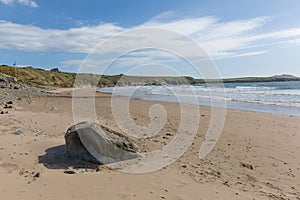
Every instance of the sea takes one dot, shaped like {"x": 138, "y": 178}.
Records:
{"x": 269, "y": 97}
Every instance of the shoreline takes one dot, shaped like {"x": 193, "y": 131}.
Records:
{"x": 255, "y": 157}
{"x": 268, "y": 109}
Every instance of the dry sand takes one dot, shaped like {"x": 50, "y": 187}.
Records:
{"x": 256, "y": 157}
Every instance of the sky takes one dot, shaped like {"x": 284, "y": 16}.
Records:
{"x": 138, "y": 37}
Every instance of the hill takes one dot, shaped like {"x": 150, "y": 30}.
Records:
{"x": 276, "y": 78}
{"x": 41, "y": 77}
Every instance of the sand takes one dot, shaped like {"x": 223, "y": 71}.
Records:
{"x": 256, "y": 157}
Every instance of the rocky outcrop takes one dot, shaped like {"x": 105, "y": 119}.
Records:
{"x": 90, "y": 142}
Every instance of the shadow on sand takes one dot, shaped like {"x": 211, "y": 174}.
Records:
{"x": 56, "y": 158}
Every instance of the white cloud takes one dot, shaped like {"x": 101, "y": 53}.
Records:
{"x": 185, "y": 26}
{"x": 29, "y": 3}
{"x": 234, "y": 55}
{"x": 220, "y": 39}
{"x": 7, "y": 2}
{"x": 295, "y": 41}
{"x": 129, "y": 60}
{"x": 32, "y": 38}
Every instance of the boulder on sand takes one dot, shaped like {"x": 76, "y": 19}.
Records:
{"x": 87, "y": 141}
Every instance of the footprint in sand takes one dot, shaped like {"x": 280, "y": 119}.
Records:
{"x": 29, "y": 175}
{"x": 10, "y": 167}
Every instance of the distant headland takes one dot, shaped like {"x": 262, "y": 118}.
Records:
{"x": 41, "y": 77}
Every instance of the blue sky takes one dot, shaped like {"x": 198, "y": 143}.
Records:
{"x": 252, "y": 38}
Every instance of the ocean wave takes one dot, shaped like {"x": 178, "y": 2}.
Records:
{"x": 263, "y": 95}
{"x": 254, "y": 88}
{"x": 275, "y": 103}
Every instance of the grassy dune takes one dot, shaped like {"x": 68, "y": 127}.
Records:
{"x": 38, "y": 76}
{"x": 41, "y": 77}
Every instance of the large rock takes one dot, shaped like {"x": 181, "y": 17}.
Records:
{"x": 88, "y": 141}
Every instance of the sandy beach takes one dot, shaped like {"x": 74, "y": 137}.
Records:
{"x": 256, "y": 157}
{"x": 149, "y": 100}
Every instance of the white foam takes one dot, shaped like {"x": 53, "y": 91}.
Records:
{"x": 264, "y": 95}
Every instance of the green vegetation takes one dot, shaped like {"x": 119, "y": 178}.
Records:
{"x": 38, "y": 77}
{"x": 41, "y": 77}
